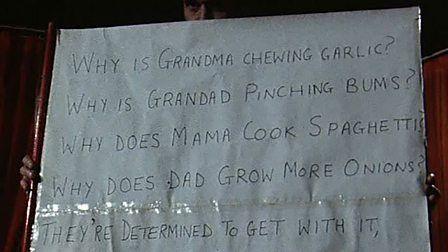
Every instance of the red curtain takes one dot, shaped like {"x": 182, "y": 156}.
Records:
{"x": 435, "y": 71}
{"x": 21, "y": 56}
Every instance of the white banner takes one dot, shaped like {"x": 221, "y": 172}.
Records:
{"x": 288, "y": 133}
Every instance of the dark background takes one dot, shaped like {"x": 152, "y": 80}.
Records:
{"x": 94, "y": 13}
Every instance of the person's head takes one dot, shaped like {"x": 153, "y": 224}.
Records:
{"x": 207, "y": 9}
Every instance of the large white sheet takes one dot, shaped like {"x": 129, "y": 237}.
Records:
{"x": 288, "y": 133}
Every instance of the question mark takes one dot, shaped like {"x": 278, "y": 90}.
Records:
{"x": 390, "y": 43}
{"x": 410, "y": 77}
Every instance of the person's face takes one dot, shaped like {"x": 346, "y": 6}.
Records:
{"x": 206, "y": 9}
